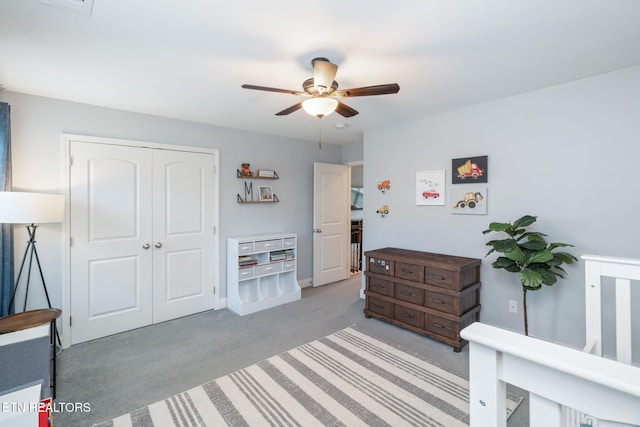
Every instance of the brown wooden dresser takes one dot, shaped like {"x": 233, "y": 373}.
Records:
{"x": 432, "y": 294}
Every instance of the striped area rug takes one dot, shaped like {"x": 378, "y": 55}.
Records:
{"x": 345, "y": 379}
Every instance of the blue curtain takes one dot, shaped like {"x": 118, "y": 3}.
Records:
{"x": 6, "y": 236}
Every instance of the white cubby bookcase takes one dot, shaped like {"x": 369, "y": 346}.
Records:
{"x": 261, "y": 272}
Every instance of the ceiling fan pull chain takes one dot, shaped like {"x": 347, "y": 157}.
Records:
{"x": 319, "y": 133}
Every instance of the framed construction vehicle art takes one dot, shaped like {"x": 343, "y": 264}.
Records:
{"x": 430, "y": 188}
{"x": 470, "y": 170}
{"x": 469, "y": 200}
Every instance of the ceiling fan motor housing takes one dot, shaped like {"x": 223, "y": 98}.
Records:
{"x": 309, "y": 87}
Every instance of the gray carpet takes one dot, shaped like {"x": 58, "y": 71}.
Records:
{"x": 345, "y": 379}
{"x": 124, "y": 372}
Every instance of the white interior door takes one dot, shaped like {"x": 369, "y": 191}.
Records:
{"x": 331, "y": 222}
{"x": 183, "y": 234}
{"x": 110, "y": 199}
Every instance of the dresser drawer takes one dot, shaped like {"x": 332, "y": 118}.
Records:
{"x": 380, "y": 306}
{"x": 441, "y": 326}
{"x": 408, "y": 293}
{"x": 245, "y": 273}
{"x": 288, "y": 265}
{"x": 440, "y": 277}
{"x": 379, "y": 286}
{"x": 245, "y": 248}
{"x": 440, "y": 302}
{"x": 268, "y": 245}
{"x": 408, "y": 315}
{"x": 290, "y": 242}
{"x": 380, "y": 266}
{"x": 261, "y": 270}
{"x": 407, "y": 271}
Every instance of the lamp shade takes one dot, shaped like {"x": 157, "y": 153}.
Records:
{"x": 30, "y": 208}
{"x": 320, "y": 107}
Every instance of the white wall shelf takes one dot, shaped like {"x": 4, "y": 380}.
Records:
{"x": 261, "y": 272}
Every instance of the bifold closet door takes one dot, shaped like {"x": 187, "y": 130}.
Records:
{"x": 142, "y": 237}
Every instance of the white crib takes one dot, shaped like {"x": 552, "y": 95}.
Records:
{"x": 558, "y": 377}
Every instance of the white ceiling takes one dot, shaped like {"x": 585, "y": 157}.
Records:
{"x": 187, "y": 60}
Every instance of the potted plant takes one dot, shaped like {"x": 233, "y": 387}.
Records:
{"x": 528, "y": 254}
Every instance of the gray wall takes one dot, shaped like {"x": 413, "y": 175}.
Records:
{"x": 352, "y": 152}
{"x": 568, "y": 154}
{"x": 37, "y": 124}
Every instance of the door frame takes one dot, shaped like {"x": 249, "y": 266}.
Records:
{"x": 363, "y": 284}
{"x": 67, "y": 138}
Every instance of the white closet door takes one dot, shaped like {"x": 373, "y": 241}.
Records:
{"x": 183, "y": 235}
{"x": 142, "y": 230}
{"x": 110, "y": 198}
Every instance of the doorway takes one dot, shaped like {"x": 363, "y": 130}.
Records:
{"x": 357, "y": 214}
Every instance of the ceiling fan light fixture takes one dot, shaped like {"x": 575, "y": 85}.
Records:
{"x": 320, "y": 107}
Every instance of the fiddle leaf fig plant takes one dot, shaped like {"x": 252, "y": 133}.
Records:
{"x": 528, "y": 254}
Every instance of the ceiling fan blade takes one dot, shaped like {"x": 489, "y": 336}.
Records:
{"x": 368, "y": 90}
{"x": 345, "y": 111}
{"x": 273, "y": 89}
{"x": 323, "y": 74}
{"x": 290, "y": 110}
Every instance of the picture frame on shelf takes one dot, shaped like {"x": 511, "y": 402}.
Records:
{"x": 264, "y": 173}
{"x": 265, "y": 193}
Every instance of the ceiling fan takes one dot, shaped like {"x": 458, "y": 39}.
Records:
{"x": 321, "y": 91}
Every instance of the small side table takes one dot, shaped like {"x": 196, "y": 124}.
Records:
{"x": 30, "y": 319}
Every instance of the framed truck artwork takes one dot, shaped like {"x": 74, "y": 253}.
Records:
{"x": 469, "y": 170}
{"x": 430, "y": 186}
{"x": 469, "y": 200}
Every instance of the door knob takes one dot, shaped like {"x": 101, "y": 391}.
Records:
{"x": 158, "y": 245}
{"x": 146, "y": 246}
{"x": 317, "y": 230}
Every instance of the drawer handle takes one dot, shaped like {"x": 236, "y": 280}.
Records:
{"x": 377, "y": 286}
{"x": 437, "y": 325}
{"x": 407, "y": 293}
{"x": 405, "y": 314}
{"x": 439, "y": 277}
{"x": 406, "y": 270}
{"x": 437, "y": 301}
{"x": 378, "y": 306}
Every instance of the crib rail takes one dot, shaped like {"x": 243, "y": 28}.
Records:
{"x": 623, "y": 270}
{"x": 554, "y": 375}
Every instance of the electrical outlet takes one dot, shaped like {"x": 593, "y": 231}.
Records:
{"x": 513, "y": 306}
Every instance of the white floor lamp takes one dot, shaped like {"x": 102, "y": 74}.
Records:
{"x": 30, "y": 209}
